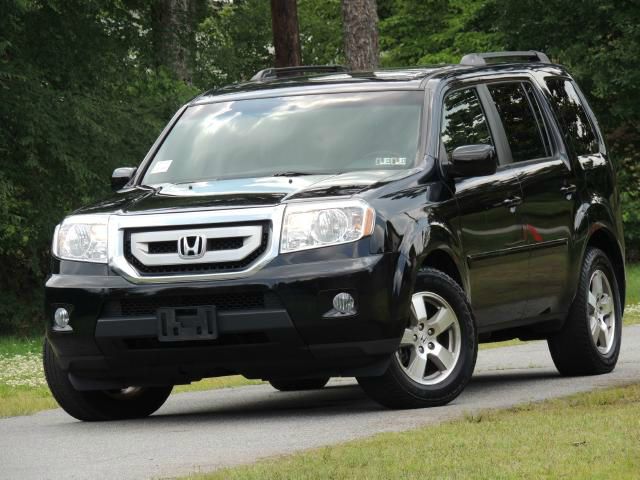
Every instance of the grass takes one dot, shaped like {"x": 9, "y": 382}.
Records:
{"x": 633, "y": 284}
{"x": 23, "y": 389}
{"x": 506, "y": 343}
{"x": 590, "y": 435}
{"x": 218, "y": 382}
{"x": 22, "y": 386}
{"x": 632, "y": 312}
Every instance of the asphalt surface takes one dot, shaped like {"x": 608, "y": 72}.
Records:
{"x": 203, "y": 431}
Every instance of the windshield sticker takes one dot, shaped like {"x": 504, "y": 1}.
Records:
{"x": 161, "y": 167}
{"x": 391, "y": 161}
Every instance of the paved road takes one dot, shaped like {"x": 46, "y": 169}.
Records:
{"x": 203, "y": 431}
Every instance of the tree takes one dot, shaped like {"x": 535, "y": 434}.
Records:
{"x": 360, "y": 25}
{"x": 173, "y": 25}
{"x": 286, "y": 37}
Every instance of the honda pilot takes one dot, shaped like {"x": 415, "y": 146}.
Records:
{"x": 316, "y": 222}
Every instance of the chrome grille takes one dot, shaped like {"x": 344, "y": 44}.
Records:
{"x": 144, "y": 248}
{"x": 229, "y": 254}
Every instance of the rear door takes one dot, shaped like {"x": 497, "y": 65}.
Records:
{"x": 549, "y": 190}
{"x": 490, "y": 221}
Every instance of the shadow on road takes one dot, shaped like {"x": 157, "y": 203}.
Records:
{"x": 334, "y": 400}
{"x": 512, "y": 376}
{"x": 262, "y": 404}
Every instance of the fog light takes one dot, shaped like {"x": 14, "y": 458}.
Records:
{"x": 344, "y": 303}
{"x": 61, "y": 320}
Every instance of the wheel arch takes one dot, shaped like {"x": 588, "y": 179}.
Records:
{"x": 426, "y": 243}
{"x": 600, "y": 236}
{"x": 442, "y": 259}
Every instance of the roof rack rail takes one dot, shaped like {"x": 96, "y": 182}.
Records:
{"x": 476, "y": 59}
{"x": 282, "y": 72}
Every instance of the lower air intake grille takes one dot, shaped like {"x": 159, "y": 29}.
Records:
{"x": 140, "y": 307}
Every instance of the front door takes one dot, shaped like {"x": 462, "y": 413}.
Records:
{"x": 490, "y": 221}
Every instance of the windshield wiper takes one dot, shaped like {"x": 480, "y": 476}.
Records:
{"x": 291, "y": 174}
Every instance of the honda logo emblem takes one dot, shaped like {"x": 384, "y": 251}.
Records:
{"x": 191, "y": 247}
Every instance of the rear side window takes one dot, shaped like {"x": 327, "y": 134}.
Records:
{"x": 521, "y": 120}
{"x": 463, "y": 121}
{"x": 576, "y": 127}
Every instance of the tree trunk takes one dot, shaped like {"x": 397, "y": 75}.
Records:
{"x": 360, "y": 20}
{"x": 171, "y": 33}
{"x": 286, "y": 37}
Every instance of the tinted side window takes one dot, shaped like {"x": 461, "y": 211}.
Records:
{"x": 576, "y": 127}
{"x": 537, "y": 111}
{"x": 523, "y": 129}
{"x": 463, "y": 121}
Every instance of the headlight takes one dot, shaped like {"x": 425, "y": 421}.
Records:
{"x": 312, "y": 225}
{"x": 82, "y": 238}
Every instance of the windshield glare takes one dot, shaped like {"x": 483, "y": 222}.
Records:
{"x": 307, "y": 134}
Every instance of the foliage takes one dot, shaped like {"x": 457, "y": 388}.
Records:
{"x": 234, "y": 42}
{"x": 424, "y": 32}
{"x": 73, "y": 106}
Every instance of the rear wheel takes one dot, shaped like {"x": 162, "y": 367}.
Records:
{"x": 589, "y": 342}
{"x": 93, "y": 406}
{"x": 293, "y": 385}
{"x": 437, "y": 352}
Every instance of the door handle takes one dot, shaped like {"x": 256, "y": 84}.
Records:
{"x": 568, "y": 191}
{"x": 512, "y": 202}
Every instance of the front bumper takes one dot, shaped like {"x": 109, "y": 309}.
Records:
{"x": 272, "y": 324}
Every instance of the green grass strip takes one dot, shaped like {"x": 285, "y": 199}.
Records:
{"x": 585, "y": 436}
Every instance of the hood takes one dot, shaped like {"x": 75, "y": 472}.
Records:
{"x": 240, "y": 192}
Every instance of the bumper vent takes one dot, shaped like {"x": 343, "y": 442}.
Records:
{"x": 141, "y": 307}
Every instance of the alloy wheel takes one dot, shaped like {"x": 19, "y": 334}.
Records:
{"x": 601, "y": 311}
{"x": 431, "y": 344}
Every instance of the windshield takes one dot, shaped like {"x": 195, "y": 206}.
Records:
{"x": 308, "y": 134}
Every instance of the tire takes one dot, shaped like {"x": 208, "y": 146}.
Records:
{"x": 293, "y": 385}
{"x": 409, "y": 384}
{"x": 96, "y": 406}
{"x": 575, "y": 350}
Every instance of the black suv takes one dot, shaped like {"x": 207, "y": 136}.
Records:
{"x": 316, "y": 222}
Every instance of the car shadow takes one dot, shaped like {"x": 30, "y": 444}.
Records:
{"x": 263, "y": 404}
{"x": 334, "y": 400}
{"x": 489, "y": 377}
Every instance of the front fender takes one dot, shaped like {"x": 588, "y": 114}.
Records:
{"x": 422, "y": 237}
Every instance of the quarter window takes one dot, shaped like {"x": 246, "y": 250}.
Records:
{"x": 463, "y": 121}
{"x": 577, "y": 128}
{"x": 521, "y": 122}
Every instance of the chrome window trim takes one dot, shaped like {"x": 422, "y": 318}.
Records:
{"x": 188, "y": 220}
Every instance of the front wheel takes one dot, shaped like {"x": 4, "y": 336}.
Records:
{"x": 94, "y": 406}
{"x": 437, "y": 352}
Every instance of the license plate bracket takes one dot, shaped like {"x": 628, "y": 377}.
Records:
{"x": 177, "y": 324}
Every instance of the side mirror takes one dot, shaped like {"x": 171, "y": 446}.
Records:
{"x": 473, "y": 161}
{"x": 121, "y": 176}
